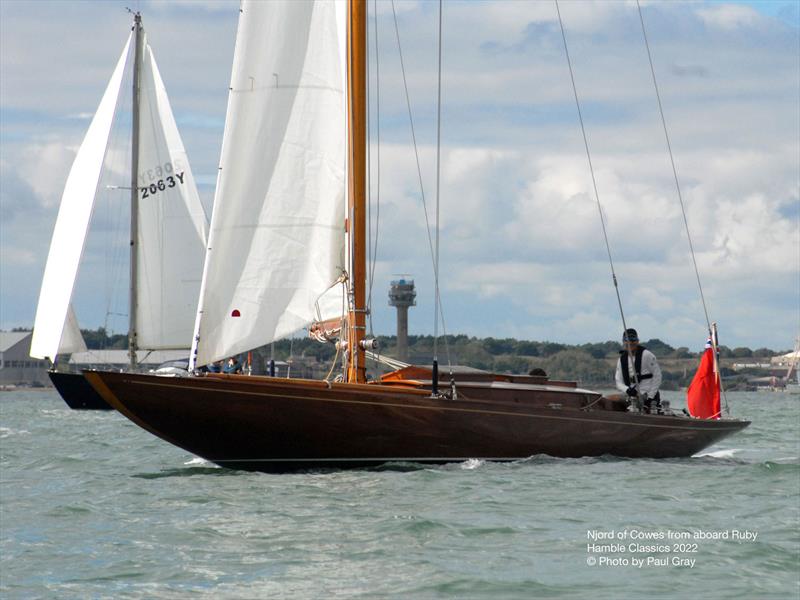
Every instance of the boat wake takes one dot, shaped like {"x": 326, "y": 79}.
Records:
{"x": 727, "y": 453}
{"x": 200, "y": 462}
{"x": 471, "y": 464}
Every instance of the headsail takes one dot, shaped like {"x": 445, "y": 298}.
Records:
{"x": 277, "y": 232}
{"x": 72, "y": 338}
{"x": 72, "y": 224}
{"x": 172, "y": 223}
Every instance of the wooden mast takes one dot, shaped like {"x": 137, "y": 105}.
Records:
{"x": 356, "y": 182}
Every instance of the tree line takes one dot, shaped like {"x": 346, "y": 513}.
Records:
{"x": 588, "y": 363}
{"x": 469, "y": 347}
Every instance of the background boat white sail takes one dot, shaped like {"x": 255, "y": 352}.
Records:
{"x": 277, "y": 233}
{"x": 77, "y": 202}
{"x": 170, "y": 237}
{"x": 72, "y": 338}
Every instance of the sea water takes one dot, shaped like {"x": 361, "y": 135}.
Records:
{"x": 91, "y": 506}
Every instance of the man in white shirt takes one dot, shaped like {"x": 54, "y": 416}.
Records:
{"x": 638, "y": 374}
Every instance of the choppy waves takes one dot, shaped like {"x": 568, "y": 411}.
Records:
{"x": 92, "y": 506}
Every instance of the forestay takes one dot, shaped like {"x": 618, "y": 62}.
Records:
{"x": 172, "y": 223}
{"x": 72, "y": 224}
{"x": 277, "y": 232}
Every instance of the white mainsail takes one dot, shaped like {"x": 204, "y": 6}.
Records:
{"x": 172, "y": 223}
{"x": 277, "y": 232}
{"x": 77, "y": 201}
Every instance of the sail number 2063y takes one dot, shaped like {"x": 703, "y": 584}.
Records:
{"x": 169, "y": 181}
{"x": 161, "y": 178}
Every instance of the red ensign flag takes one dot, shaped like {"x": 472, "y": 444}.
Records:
{"x": 702, "y": 397}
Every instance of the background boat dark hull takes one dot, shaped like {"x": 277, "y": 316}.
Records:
{"x": 265, "y": 424}
{"x": 77, "y": 392}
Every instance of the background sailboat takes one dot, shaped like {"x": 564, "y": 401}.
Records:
{"x": 168, "y": 226}
{"x": 272, "y": 424}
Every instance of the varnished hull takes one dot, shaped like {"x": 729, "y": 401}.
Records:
{"x": 266, "y": 424}
{"x": 76, "y": 391}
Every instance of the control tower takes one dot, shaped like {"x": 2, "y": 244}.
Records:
{"x": 402, "y": 294}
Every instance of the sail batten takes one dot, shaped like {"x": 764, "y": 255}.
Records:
{"x": 276, "y": 243}
{"x": 69, "y": 235}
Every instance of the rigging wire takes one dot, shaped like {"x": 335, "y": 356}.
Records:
{"x": 672, "y": 162}
{"x": 438, "y": 173}
{"x": 419, "y": 174}
{"x": 115, "y": 209}
{"x": 290, "y": 360}
{"x": 341, "y": 329}
{"x": 369, "y": 184}
{"x": 678, "y": 189}
{"x": 591, "y": 170}
{"x": 373, "y": 251}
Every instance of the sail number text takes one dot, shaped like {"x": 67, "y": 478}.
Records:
{"x": 170, "y": 181}
{"x": 161, "y": 177}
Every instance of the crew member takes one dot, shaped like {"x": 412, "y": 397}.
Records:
{"x": 639, "y": 360}
{"x": 232, "y": 366}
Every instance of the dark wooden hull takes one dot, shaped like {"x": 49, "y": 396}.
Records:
{"x": 77, "y": 392}
{"x": 266, "y": 424}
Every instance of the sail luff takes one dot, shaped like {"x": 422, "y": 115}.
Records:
{"x": 357, "y": 109}
{"x": 212, "y": 230}
{"x": 69, "y": 235}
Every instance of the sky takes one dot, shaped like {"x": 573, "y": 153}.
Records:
{"x": 522, "y": 251}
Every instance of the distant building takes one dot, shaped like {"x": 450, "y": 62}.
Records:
{"x": 750, "y": 365}
{"x": 402, "y": 295}
{"x": 784, "y": 360}
{"x": 16, "y": 365}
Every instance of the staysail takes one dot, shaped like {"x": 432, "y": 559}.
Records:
{"x": 77, "y": 201}
{"x": 171, "y": 226}
{"x": 277, "y": 232}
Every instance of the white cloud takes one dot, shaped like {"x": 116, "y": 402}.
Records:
{"x": 21, "y": 257}
{"x": 729, "y": 16}
{"x": 45, "y": 167}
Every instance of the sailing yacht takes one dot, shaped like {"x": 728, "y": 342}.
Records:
{"x": 167, "y": 234}
{"x": 284, "y": 251}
